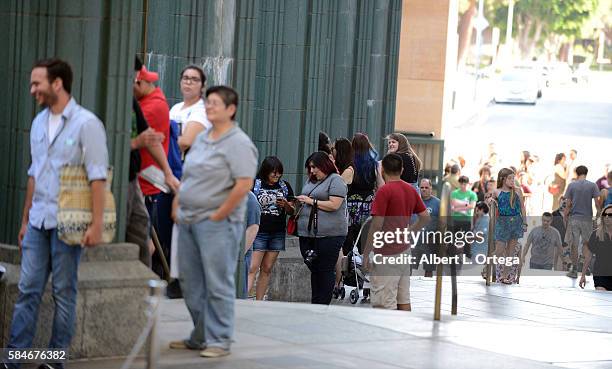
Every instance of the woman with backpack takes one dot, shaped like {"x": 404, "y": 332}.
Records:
{"x": 275, "y": 198}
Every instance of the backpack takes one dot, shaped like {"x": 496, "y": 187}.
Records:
{"x": 174, "y": 151}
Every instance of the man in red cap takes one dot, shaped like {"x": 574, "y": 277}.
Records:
{"x": 155, "y": 109}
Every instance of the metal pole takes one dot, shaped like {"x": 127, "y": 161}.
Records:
{"x": 160, "y": 251}
{"x": 157, "y": 289}
{"x": 442, "y": 225}
{"x": 490, "y": 276}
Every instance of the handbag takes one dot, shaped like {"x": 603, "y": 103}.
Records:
{"x": 74, "y": 212}
{"x": 292, "y": 223}
{"x": 554, "y": 189}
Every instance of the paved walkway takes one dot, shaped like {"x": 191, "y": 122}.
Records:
{"x": 544, "y": 323}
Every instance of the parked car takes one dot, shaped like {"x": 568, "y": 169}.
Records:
{"x": 538, "y": 71}
{"x": 559, "y": 74}
{"x": 518, "y": 86}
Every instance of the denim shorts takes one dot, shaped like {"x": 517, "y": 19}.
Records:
{"x": 274, "y": 241}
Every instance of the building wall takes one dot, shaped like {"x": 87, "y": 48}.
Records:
{"x": 426, "y": 64}
{"x": 98, "y": 38}
{"x": 300, "y": 66}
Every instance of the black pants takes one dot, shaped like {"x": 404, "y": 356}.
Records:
{"x": 323, "y": 267}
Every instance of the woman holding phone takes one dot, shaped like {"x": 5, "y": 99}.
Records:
{"x": 275, "y": 197}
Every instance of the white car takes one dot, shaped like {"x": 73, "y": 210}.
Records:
{"x": 518, "y": 86}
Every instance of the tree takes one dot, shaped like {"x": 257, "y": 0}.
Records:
{"x": 557, "y": 21}
{"x": 466, "y": 22}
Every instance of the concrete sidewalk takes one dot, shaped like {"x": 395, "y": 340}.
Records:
{"x": 543, "y": 323}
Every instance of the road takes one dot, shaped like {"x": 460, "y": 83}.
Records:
{"x": 567, "y": 117}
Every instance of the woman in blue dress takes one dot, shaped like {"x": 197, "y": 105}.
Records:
{"x": 511, "y": 220}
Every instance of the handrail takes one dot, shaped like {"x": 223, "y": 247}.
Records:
{"x": 443, "y": 217}
{"x": 491, "y": 242}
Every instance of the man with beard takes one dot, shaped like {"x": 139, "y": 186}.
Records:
{"x": 64, "y": 133}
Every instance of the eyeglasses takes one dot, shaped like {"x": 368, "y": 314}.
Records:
{"x": 188, "y": 79}
{"x": 606, "y": 215}
{"x": 276, "y": 174}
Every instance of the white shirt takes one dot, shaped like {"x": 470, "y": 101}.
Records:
{"x": 54, "y": 122}
{"x": 193, "y": 113}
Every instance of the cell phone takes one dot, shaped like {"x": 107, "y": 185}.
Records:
{"x": 290, "y": 198}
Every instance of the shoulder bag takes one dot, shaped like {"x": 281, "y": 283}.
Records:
{"x": 74, "y": 214}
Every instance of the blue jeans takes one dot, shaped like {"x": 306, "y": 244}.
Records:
{"x": 207, "y": 263}
{"x": 43, "y": 254}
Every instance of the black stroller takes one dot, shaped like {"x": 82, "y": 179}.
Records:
{"x": 354, "y": 278}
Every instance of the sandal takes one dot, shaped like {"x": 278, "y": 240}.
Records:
{"x": 505, "y": 281}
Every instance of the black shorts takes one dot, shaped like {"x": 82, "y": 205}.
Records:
{"x": 603, "y": 281}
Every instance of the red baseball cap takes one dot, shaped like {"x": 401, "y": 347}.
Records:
{"x": 145, "y": 75}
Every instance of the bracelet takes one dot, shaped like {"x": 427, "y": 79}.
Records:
{"x": 314, "y": 202}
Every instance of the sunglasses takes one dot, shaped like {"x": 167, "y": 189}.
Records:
{"x": 606, "y": 215}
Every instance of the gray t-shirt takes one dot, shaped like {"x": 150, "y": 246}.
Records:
{"x": 210, "y": 172}
{"x": 330, "y": 223}
{"x": 543, "y": 243}
{"x": 582, "y": 192}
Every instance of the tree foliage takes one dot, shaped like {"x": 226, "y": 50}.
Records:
{"x": 537, "y": 20}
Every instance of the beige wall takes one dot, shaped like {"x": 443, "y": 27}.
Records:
{"x": 428, "y": 50}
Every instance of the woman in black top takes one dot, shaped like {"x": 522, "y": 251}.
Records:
{"x": 272, "y": 194}
{"x": 361, "y": 189}
{"x": 343, "y": 159}
{"x": 480, "y": 187}
{"x": 600, "y": 244}
{"x": 398, "y": 143}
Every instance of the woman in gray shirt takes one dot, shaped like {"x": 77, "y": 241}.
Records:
{"x": 218, "y": 173}
{"x": 322, "y": 225}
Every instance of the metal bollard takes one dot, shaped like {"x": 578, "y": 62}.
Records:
{"x": 157, "y": 289}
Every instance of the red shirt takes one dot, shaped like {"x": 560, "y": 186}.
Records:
{"x": 155, "y": 110}
{"x": 396, "y": 201}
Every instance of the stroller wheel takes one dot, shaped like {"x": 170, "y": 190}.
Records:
{"x": 342, "y": 293}
{"x": 354, "y": 296}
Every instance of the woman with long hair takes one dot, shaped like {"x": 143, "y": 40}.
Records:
{"x": 273, "y": 194}
{"x": 322, "y": 225}
{"x": 343, "y": 158}
{"x": 398, "y": 143}
{"x": 360, "y": 193}
{"x": 600, "y": 244}
{"x": 511, "y": 221}
{"x": 557, "y": 186}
